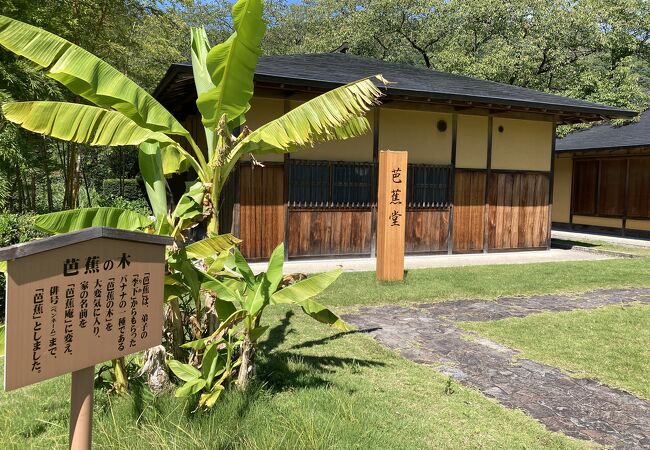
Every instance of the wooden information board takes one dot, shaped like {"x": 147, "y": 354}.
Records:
{"x": 391, "y": 215}
{"x": 75, "y": 305}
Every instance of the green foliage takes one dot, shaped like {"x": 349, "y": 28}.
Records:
{"x": 231, "y": 66}
{"x": 140, "y": 205}
{"x": 14, "y": 228}
{"x": 594, "y": 49}
{"x": 129, "y": 189}
{"x": 208, "y": 282}
{"x": 66, "y": 221}
{"x": 240, "y": 299}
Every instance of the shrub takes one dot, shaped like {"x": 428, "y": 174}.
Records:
{"x": 129, "y": 189}
{"x": 14, "y": 228}
{"x": 140, "y": 205}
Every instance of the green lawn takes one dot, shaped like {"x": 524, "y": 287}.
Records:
{"x": 320, "y": 390}
{"x": 610, "y": 344}
{"x": 489, "y": 282}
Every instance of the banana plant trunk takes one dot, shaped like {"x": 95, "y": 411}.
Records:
{"x": 247, "y": 367}
{"x": 121, "y": 383}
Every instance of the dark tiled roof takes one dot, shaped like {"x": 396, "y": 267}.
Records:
{"x": 328, "y": 70}
{"x": 608, "y": 136}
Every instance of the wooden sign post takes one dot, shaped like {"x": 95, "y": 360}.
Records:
{"x": 78, "y": 299}
{"x": 391, "y": 215}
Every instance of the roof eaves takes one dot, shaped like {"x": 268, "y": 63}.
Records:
{"x": 605, "y": 112}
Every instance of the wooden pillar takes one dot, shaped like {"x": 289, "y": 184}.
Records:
{"x": 488, "y": 172}
{"x": 627, "y": 193}
{"x": 81, "y": 408}
{"x": 391, "y": 215}
{"x": 450, "y": 185}
{"x": 573, "y": 189}
{"x": 373, "y": 182}
{"x": 551, "y": 178}
{"x": 287, "y": 178}
{"x": 236, "y": 206}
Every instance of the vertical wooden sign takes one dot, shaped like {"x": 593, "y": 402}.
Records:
{"x": 391, "y": 215}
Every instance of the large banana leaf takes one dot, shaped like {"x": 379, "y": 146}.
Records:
{"x": 83, "y": 124}
{"x": 231, "y": 65}
{"x": 305, "y": 289}
{"x": 77, "y": 219}
{"x": 151, "y": 169}
{"x": 337, "y": 114}
{"x": 87, "y": 75}
{"x": 202, "y": 80}
{"x": 211, "y": 246}
{"x": 323, "y": 314}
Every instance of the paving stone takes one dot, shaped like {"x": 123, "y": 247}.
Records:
{"x": 578, "y": 407}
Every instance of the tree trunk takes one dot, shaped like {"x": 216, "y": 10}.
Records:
{"x": 156, "y": 369}
{"x": 90, "y": 204}
{"x": 121, "y": 383}
{"x": 73, "y": 176}
{"x": 175, "y": 324}
{"x": 247, "y": 367}
{"x": 33, "y": 191}
{"x": 48, "y": 180}
{"x": 20, "y": 190}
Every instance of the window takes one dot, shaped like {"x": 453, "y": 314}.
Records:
{"x": 329, "y": 183}
{"x": 308, "y": 183}
{"x": 428, "y": 186}
{"x": 350, "y": 184}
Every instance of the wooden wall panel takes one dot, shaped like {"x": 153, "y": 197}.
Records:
{"x": 314, "y": 232}
{"x": 426, "y": 230}
{"x": 518, "y": 210}
{"x": 585, "y": 181}
{"x": 639, "y": 188}
{"x": 469, "y": 207}
{"x": 261, "y": 210}
{"x": 611, "y": 191}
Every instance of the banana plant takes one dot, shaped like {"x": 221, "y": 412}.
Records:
{"x": 122, "y": 113}
{"x": 242, "y": 297}
{"x": 119, "y": 112}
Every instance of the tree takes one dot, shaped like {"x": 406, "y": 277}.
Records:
{"x": 591, "y": 49}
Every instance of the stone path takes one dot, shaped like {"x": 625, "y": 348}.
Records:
{"x": 581, "y": 408}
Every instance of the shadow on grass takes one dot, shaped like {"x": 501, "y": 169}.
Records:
{"x": 282, "y": 370}
{"x": 325, "y": 340}
{"x": 567, "y": 244}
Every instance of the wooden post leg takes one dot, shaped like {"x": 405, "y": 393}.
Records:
{"x": 81, "y": 408}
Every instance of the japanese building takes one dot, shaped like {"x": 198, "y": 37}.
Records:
{"x": 602, "y": 178}
{"x": 480, "y": 160}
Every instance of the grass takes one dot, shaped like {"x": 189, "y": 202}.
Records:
{"x": 322, "y": 389}
{"x": 319, "y": 390}
{"x": 610, "y": 344}
{"x": 489, "y": 282}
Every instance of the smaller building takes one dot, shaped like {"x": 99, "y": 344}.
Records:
{"x": 602, "y": 179}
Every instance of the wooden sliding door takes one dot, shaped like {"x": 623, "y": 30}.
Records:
{"x": 262, "y": 210}
{"x": 469, "y": 210}
{"x": 518, "y": 210}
